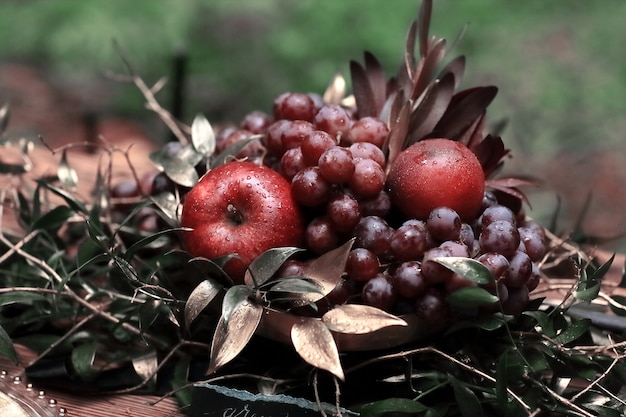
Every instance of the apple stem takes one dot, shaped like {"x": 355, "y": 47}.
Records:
{"x": 235, "y": 214}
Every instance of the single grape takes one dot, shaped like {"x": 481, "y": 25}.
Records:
{"x": 379, "y": 292}
{"x": 408, "y": 280}
{"x": 499, "y": 236}
{"x": 435, "y": 272}
{"x": 309, "y": 188}
{"x": 344, "y": 212}
{"x": 295, "y": 132}
{"x": 534, "y": 278}
{"x": 378, "y": 205}
{"x": 466, "y": 235}
{"x": 455, "y": 248}
{"x": 516, "y": 301}
{"x": 368, "y": 150}
{"x": 292, "y": 162}
{"x": 373, "y": 233}
{"x": 489, "y": 199}
{"x": 410, "y": 241}
{"x": 291, "y": 268}
{"x": 294, "y": 106}
{"x": 320, "y": 235}
{"x": 362, "y": 264}
{"x": 498, "y": 212}
{"x": 431, "y": 307}
{"x": 273, "y": 138}
{"x": 336, "y": 165}
{"x": 368, "y": 129}
{"x": 533, "y": 242}
{"x": 368, "y": 178}
{"x": 315, "y": 144}
{"x": 444, "y": 224}
{"x": 520, "y": 268}
{"x": 496, "y": 263}
{"x": 256, "y": 122}
{"x": 333, "y": 119}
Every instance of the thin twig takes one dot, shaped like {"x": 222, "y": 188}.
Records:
{"x": 442, "y": 354}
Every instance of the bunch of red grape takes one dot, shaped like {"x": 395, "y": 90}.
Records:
{"x": 336, "y": 166}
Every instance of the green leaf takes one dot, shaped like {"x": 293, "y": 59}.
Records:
{"x": 468, "y": 268}
{"x": 395, "y": 406}
{"x": 470, "y": 297}
{"x": 53, "y": 219}
{"x": 573, "y": 332}
{"x": 620, "y": 299}
{"x": 544, "y": 320}
{"x": 6, "y": 346}
{"x": 82, "y": 360}
{"x": 264, "y": 266}
{"x": 469, "y": 405}
{"x": 202, "y": 135}
{"x": 69, "y": 198}
{"x": 20, "y": 297}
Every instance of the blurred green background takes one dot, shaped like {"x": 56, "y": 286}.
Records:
{"x": 559, "y": 65}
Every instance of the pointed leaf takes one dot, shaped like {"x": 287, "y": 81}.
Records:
{"x": 470, "y": 297}
{"x": 573, "y": 332}
{"x": 167, "y": 203}
{"x": 315, "y": 344}
{"x": 235, "y": 296}
{"x": 6, "y": 346}
{"x": 82, "y": 360}
{"x": 464, "y": 109}
{"x": 233, "y": 333}
{"x": 232, "y": 151}
{"x": 468, "y": 268}
{"x": 377, "y": 81}
{"x": 53, "y": 219}
{"x": 202, "y": 135}
{"x": 67, "y": 175}
{"x": 328, "y": 268}
{"x": 423, "y": 23}
{"x": 392, "y": 406}
{"x": 359, "y": 319}
{"x": 180, "y": 171}
{"x": 295, "y": 285}
{"x": 430, "y": 109}
{"x": 264, "y": 266}
{"x": 362, "y": 91}
{"x": 68, "y": 197}
{"x": 469, "y": 405}
{"x": 200, "y": 298}
{"x": 456, "y": 67}
{"x": 146, "y": 366}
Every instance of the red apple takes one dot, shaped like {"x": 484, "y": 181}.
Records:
{"x": 240, "y": 208}
{"x": 436, "y": 173}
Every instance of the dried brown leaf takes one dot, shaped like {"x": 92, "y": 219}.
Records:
{"x": 315, "y": 344}
{"x": 200, "y": 298}
{"x": 202, "y": 135}
{"x": 146, "y": 366}
{"x": 4, "y": 117}
{"x": 359, "y": 319}
{"x": 233, "y": 333}
{"x": 327, "y": 269}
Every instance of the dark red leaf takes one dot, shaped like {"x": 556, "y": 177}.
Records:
{"x": 362, "y": 91}
{"x": 423, "y": 22}
{"x": 430, "y": 110}
{"x": 455, "y": 67}
{"x": 465, "y": 107}
{"x": 376, "y": 77}
{"x": 424, "y": 73}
